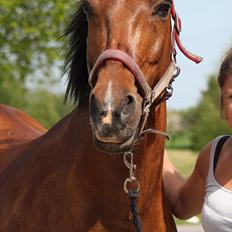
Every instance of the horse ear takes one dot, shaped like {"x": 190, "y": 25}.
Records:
{"x": 76, "y": 63}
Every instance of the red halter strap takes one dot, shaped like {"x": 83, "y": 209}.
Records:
{"x": 176, "y": 37}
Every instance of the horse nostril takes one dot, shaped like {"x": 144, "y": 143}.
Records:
{"x": 128, "y": 107}
{"x": 99, "y": 113}
{"x": 96, "y": 110}
{"x": 103, "y": 113}
{"x": 130, "y": 99}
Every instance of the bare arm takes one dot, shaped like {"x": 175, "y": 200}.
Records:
{"x": 186, "y": 195}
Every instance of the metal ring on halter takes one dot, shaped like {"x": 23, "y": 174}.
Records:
{"x": 131, "y": 180}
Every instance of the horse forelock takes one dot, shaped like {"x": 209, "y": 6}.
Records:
{"x": 76, "y": 63}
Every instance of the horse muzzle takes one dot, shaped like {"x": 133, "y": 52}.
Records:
{"x": 114, "y": 126}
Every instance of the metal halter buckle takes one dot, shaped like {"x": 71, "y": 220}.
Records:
{"x": 132, "y": 179}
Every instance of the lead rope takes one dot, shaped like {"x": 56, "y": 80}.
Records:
{"x": 132, "y": 187}
{"x": 133, "y": 195}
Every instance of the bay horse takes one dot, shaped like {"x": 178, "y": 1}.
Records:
{"x": 71, "y": 177}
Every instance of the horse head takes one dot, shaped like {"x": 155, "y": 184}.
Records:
{"x": 140, "y": 31}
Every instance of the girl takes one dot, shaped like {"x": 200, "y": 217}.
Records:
{"x": 209, "y": 188}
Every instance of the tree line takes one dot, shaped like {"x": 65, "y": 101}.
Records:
{"x": 195, "y": 127}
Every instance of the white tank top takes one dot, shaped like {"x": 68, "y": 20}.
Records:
{"x": 217, "y": 206}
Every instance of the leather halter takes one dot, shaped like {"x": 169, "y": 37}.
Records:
{"x": 149, "y": 95}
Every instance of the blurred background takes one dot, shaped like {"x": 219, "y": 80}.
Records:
{"x": 32, "y": 52}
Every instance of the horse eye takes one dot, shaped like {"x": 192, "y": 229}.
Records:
{"x": 162, "y": 9}
{"x": 87, "y": 9}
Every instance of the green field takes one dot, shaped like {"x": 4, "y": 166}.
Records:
{"x": 184, "y": 160}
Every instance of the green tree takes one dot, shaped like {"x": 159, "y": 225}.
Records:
{"x": 178, "y": 130}
{"x": 31, "y": 44}
{"x": 46, "y": 107}
{"x": 13, "y": 93}
{"x": 30, "y": 36}
{"x": 204, "y": 122}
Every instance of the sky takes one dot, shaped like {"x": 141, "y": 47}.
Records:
{"x": 206, "y": 31}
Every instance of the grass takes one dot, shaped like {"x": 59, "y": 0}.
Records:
{"x": 184, "y": 161}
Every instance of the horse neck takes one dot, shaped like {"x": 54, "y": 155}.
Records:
{"x": 149, "y": 159}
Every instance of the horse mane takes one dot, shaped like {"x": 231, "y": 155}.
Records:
{"x": 75, "y": 62}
